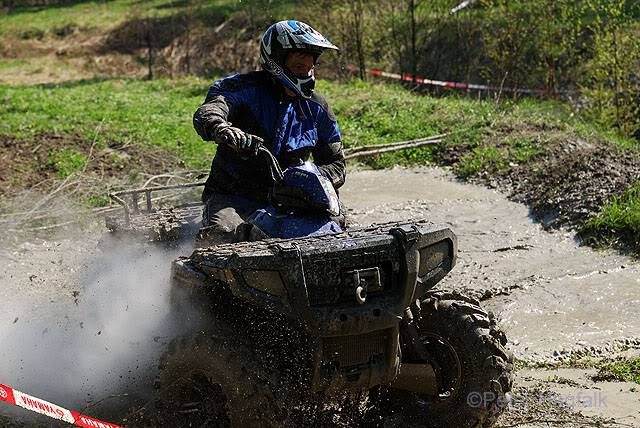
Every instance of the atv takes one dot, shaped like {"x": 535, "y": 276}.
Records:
{"x": 280, "y": 328}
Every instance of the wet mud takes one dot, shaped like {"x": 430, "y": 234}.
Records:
{"x": 566, "y": 183}
{"x": 553, "y": 298}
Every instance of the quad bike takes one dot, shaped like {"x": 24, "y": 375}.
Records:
{"x": 280, "y": 327}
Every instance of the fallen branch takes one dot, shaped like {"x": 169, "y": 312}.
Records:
{"x": 398, "y": 144}
{"x": 52, "y": 226}
{"x": 169, "y": 176}
{"x": 391, "y": 147}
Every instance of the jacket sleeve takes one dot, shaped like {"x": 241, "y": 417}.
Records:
{"x": 327, "y": 154}
{"x": 215, "y": 111}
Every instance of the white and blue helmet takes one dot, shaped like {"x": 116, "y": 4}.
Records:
{"x": 290, "y": 36}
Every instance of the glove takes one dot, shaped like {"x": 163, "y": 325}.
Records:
{"x": 240, "y": 141}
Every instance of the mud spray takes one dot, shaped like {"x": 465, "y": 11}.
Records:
{"x": 88, "y": 332}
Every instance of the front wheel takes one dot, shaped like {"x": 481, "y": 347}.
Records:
{"x": 467, "y": 352}
{"x": 217, "y": 379}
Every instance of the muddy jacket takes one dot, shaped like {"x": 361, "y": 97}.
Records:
{"x": 292, "y": 128}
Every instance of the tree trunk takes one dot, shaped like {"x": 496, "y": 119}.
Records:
{"x": 148, "y": 40}
{"x": 356, "y": 15}
{"x": 414, "y": 54}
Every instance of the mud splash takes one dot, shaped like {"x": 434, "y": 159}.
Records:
{"x": 82, "y": 324}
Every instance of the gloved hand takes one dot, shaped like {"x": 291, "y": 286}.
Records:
{"x": 240, "y": 141}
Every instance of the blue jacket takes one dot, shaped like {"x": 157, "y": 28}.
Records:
{"x": 293, "y": 129}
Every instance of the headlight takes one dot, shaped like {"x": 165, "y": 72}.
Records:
{"x": 266, "y": 281}
{"x": 434, "y": 256}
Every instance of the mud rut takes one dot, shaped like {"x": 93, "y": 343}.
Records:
{"x": 553, "y": 298}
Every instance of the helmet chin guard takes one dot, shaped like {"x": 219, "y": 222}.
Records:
{"x": 289, "y": 36}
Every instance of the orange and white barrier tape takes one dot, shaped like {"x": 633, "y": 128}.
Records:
{"x": 17, "y": 398}
{"x": 456, "y": 85}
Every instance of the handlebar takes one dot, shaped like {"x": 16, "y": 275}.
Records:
{"x": 276, "y": 171}
{"x": 260, "y": 149}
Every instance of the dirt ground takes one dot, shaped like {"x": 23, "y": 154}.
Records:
{"x": 27, "y": 164}
{"x": 122, "y": 50}
{"x": 69, "y": 305}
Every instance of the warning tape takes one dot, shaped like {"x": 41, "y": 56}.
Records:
{"x": 456, "y": 85}
{"x": 17, "y": 398}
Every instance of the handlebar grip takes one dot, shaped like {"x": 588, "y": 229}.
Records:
{"x": 257, "y": 141}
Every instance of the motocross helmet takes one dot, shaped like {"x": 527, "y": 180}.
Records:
{"x": 289, "y": 36}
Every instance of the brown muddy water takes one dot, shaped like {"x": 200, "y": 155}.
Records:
{"x": 551, "y": 295}
{"x": 73, "y": 317}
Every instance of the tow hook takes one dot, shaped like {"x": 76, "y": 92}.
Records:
{"x": 363, "y": 281}
{"x": 361, "y": 292}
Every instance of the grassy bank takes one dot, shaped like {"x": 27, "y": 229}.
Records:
{"x": 618, "y": 222}
{"x": 124, "y": 111}
{"x": 40, "y": 22}
{"x": 159, "y": 113}
{"x": 621, "y": 370}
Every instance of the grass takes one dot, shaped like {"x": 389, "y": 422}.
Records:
{"x": 626, "y": 370}
{"x": 159, "y": 113}
{"x": 67, "y": 161}
{"x": 619, "y": 219}
{"x": 38, "y": 22}
{"x": 99, "y": 15}
{"x": 621, "y": 370}
{"x": 40, "y": 68}
{"x": 374, "y": 113}
{"x": 121, "y": 110}
{"x": 482, "y": 159}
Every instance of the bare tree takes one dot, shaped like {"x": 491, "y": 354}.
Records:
{"x": 414, "y": 53}
{"x": 356, "y": 10}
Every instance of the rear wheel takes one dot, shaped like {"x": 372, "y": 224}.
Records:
{"x": 469, "y": 358}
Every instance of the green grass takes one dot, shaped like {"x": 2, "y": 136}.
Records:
{"x": 16, "y": 70}
{"x": 374, "y": 113}
{"x": 370, "y": 113}
{"x": 9, "y": 64}
{"x": 40, "y": 22}
{"x": 622, "y": 370}
{"x": 31, "y": 22}
{"x": 100, "y": 200}
{"x": 619, "y": 219}
{"x": 482, "y": 159}
{"x": 608, "y": 369}
{"x": 67, "y": 161}
{"x": 159, "y": 112}
{"x": 123, "y": 111}
{"x": 93, "y": 14}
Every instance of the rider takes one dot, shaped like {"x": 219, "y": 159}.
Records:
{"x": 277, "y": 104}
